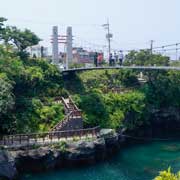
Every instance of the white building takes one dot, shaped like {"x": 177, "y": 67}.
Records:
{"x": 38, "y": 51}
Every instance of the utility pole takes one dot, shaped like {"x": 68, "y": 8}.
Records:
{"x": 151, "y": 48}
{"x": 42, "y": 51}
{"x": 108, "y": 36}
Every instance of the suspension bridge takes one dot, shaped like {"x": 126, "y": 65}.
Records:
{"x": 123, "y": 67}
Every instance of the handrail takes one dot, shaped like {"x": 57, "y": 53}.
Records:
{"x": 67, "y": 118}
{"x": 73, "y": 103}
{"x": 64, "y": 102}
{"x": 20, "y": 139}
{"x": 64, "y": 121}
{"x": 125, "y": 67}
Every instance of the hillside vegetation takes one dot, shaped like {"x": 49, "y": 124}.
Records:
{"x": 108, "y": 98}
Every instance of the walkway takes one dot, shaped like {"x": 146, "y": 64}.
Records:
{"x": 73, "y": 119}
{"x": 124, "y": 67}
{"x": 71, "y": 127}
{"x": 23, "y": 140}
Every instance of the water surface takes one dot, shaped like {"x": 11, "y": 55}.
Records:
{"x": 137, "y": 162}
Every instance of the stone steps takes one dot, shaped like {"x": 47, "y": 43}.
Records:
{"x": 72, "y": 120}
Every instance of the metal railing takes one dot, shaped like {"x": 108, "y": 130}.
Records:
{"x": 65, "y": 104}
{"x": 72, "y": 102}
{"x": 43, "y": 138}
{"x": 68, "y": 117}
{"x": 126, "y": 67}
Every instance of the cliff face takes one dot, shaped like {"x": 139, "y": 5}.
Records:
{"x": 7, "y": 166}
{"x": 72, "y": 154}
{"x": 163, "y": 122}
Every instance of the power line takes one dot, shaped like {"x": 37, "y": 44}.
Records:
{"x": 166, "y": 50}
{"x": 166, "y": 46}
{"x": 50, "y": 22}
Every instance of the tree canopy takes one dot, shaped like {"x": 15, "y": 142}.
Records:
{"x": 20, "y": 39}
{"x": 145, "y": 57}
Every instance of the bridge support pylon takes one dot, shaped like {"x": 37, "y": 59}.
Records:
{"x": 69, "y": 55}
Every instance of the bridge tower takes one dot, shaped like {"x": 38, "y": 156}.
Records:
{"x": 69, "y": 55}
{"x": 55, "y": 47}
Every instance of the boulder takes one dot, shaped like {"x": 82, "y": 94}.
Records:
{"x": 121, "y": 139}
{"x": 100, "y": 149}
{"x": 106, "y": 133}
{"x": 38, "y": 160}
{"x": 7, "y": 166}
{"x": 112, "y": 142}
{"x": 100, "y": 144}
{"x": 59, "y": 157}
{"x": 81, "y": 145}
{"x": 80, "y": 153}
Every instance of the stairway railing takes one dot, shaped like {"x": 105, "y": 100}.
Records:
{"x": 72, "y": 102}
{"x": 65, "y": 104}
{"x": 66, "y": 120}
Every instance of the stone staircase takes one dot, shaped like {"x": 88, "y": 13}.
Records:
{"x": 73, "y": 119}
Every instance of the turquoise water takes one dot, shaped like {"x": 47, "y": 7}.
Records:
{"x": 137, "y": 162}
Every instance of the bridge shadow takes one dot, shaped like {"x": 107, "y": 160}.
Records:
{"x": 73, "y": 83}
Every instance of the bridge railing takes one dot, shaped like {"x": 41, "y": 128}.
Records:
{"x": 125, "y": 67}
{"x": 45, "y": 138}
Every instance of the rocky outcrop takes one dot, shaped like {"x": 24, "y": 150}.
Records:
{"x": 38, "y": 160}
{"x": 111, "y": 140}
{"x": 70, "y": 154}
{"x": 163, "y": 123}
{"x": 7, "y": 166}
{"x": 100, "y": 149}
{"x": 80, "y": 153}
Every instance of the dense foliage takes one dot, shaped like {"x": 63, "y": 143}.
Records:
{"x": 20, "y": 39}
{"x": 163, "y": 89}
{"x": 27, "y": 93}
{"x": 103, "y": 80}
{"x": 145, "y": 58}
{"x": 112, "y": 110}
{"x": 7, "y": 99}
{"x": 28, "y": 86}
{"x": 93, "y": 93}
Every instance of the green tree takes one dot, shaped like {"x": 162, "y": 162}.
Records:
{"x": 6, "y": 95}
{"x": 126, "y": 110}
{"x": 2, "y": 20}
{"x": 144, "y": 58}
{"x": 94, "y": 108}
{"x": 163, "y": 88}
{"x": 6, "y": 102}
{"x": 21, "y": 39}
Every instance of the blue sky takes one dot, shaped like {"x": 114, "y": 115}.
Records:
{"x": 133, "y": 22}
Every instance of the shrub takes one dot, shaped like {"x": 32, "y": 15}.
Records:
{"x": 168, "y": 175}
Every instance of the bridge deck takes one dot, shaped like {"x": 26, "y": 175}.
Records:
{"x": 23, "y": 140}
{"x": 125, "y": 67}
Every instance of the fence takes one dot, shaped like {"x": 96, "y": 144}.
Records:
{"x": 44, "y": 138}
